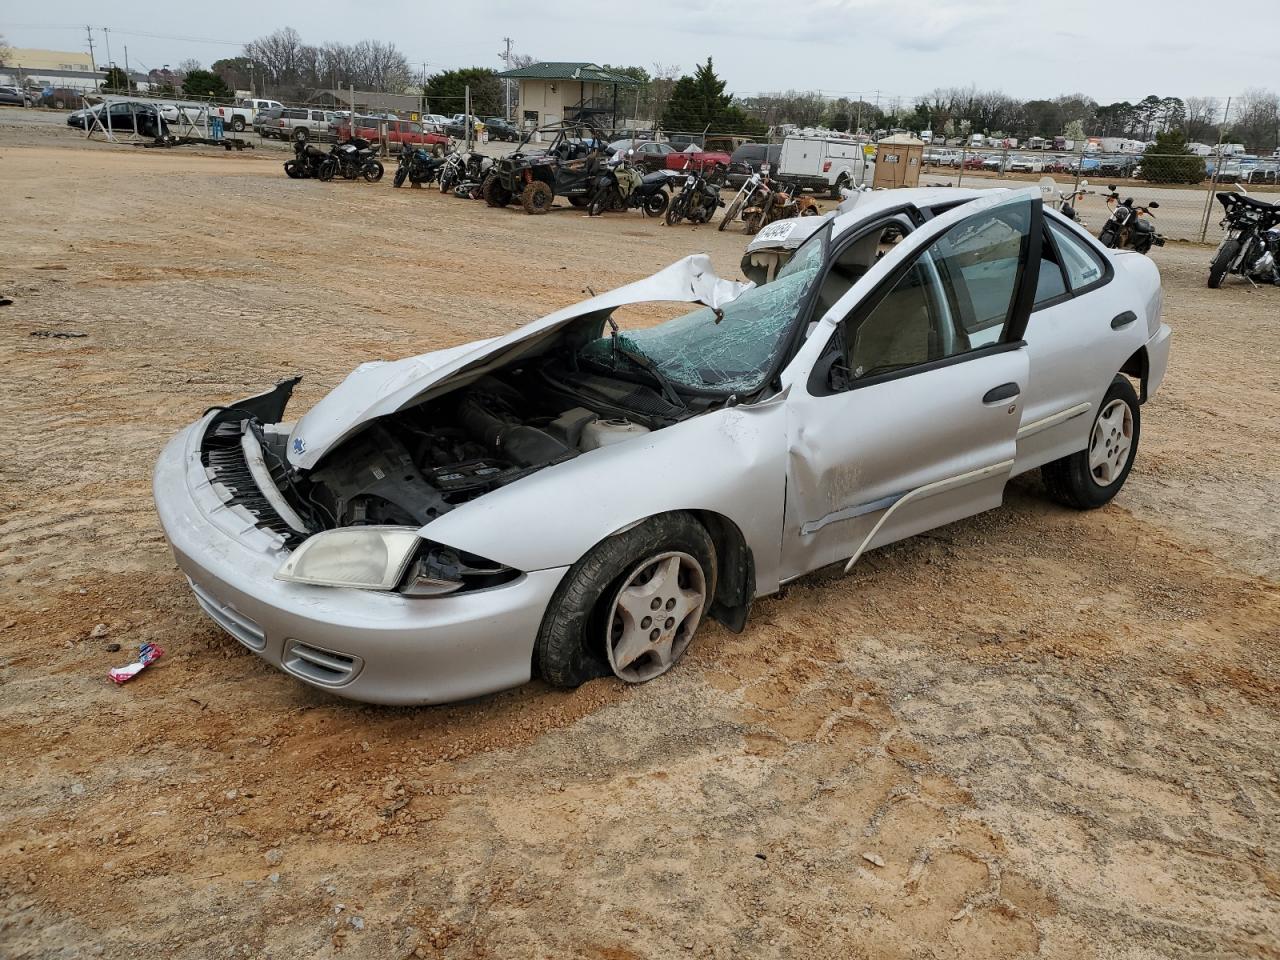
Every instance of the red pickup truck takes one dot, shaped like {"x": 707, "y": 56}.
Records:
{"x": 399, "y": 132}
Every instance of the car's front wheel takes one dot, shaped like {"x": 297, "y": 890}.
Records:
{"x": 631, "y": 606}
{"x": 1090, "y": 478}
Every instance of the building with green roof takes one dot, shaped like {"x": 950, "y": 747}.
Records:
{"x": 555, "y": 91}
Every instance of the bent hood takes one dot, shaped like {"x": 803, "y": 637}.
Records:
{"x": 380, "y": 388}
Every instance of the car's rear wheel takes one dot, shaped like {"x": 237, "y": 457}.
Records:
{"x": 537, "y": 198}
{"x": 631, "y": 606}
{"x": 1090, "y": 478}
{"x": 237, "y": 124}
{"x": 1222, "y": 262}
{"x": 300, "y": 134}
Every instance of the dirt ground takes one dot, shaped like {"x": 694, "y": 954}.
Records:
{"x": 1034, "y": 733}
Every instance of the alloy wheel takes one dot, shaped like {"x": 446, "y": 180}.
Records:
{"x": 654, "y": 615}
{"x": 1110, "y": 444}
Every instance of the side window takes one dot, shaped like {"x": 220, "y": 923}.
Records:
{"x": 1051, "y": 282}
{"x": 1083, "y": 265}
{"x": 958, "y": 295}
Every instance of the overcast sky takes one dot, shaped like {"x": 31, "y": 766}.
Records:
{"x": 1027, "y": 48}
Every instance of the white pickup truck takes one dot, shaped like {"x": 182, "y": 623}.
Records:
{"x": 241, "y": 115}
{"x": 824, "y": 163}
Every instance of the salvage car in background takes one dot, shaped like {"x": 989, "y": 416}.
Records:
{"x": 575, "y": 498}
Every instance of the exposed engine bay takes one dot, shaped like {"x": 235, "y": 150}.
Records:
{"x": 420, "y": 463}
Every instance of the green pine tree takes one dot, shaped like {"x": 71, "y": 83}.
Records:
{"x": 1170, "y": 160}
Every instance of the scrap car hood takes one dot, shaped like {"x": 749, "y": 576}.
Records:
{"x": 380, "y": 388}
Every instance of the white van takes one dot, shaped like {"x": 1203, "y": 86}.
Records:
{"x": 824, "y": 163}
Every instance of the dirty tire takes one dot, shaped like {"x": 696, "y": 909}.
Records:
{"x": 327, "y": 170}
{"x": 372, "y": 171}
{"x": 655, "y": 205}
{"x": 60, "y": 104}
{"x": 731, "y": 214}
{"x": 753, "y": 224}
{"x": 237, "y": 124}
{"x": 494, "y": 193}
{"x": 399, "y": 178}
{"x": 675, "y": 212}
{"x": 836, "y": 187}
{"x": 570, "y": 648}
{"x": 537, "y": 198}
{"x": 1222, "y": 262}
{"x": 1071, "y": 482}
{"x": 301, "y": 135}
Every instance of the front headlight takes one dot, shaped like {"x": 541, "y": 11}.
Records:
{"x": 367, "y": 558}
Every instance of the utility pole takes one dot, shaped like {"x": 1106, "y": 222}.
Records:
{"x": 126, "y": 61}
{"x": 106, "y": 35}
{"x": 507, "y": 80}
{"x": 424, "y": 88}
{"x": 94, "y": 63}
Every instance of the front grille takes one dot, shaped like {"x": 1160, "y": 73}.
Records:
{"x": 232, "y": 621}
{"x": 319, "y": 665}
{"x": 223, "y": 456}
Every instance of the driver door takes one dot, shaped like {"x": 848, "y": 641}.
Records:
{"x": 904, "y": 404}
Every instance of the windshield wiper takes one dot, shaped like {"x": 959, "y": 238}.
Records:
{"x": 644, "y": 363}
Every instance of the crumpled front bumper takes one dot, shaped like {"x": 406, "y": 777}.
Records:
{"x": 365, "y": 645}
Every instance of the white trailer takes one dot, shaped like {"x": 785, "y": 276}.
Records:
{"x": 824, "y": 163}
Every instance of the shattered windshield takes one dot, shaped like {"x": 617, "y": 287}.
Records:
{"x": 733, "y": 351}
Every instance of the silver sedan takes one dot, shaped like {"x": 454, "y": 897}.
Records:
{"x": 575, "y": 498}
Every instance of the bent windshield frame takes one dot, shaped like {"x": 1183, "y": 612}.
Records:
{"x": 734, "y": 350}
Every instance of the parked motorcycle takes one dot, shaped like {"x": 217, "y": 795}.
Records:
{"x": 308, "y": 161}
{"x": 1251, "y": 248}
{"x": 748, "y": 195}
{"x": 418, "y": 166}
{"x": 622, "y": 187}
{"x": 355, "y": 158}
{"x": 1064, "y": 201}
{"x": 776, "y": 201}
{"x": 1127, "y": 229}
{"x": 699, "y": 197}
{"x": 466, "y": 167}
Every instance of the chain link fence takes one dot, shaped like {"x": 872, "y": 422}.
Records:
{"x": 1181, "y": 187}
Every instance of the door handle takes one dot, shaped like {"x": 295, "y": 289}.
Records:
{"x": 1006, "y": 391}
{"x": 1122, "y": 320}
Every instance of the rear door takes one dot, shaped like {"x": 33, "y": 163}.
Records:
{"x": 903, "y": 407}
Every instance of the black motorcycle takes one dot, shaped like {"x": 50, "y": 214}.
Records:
{"x": 417, "y": 166}
{"x": 1127, "y": 228}
{"x": 699, "y": 198}
{"x": 308, "y": 161}
{"x": 355, "y": 158}
{"x": 623, "y": 187}
{"x": 1251, "y": 248}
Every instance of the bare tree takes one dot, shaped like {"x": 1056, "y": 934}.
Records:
{"x": 1203, "y": 117}
{"x": 1257, "y": 121}
{"x": 6, "y": 51}
{"x": 662, "y": 82}
{"x": 188, "y": 65}
{"x": 521, "y": 60}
